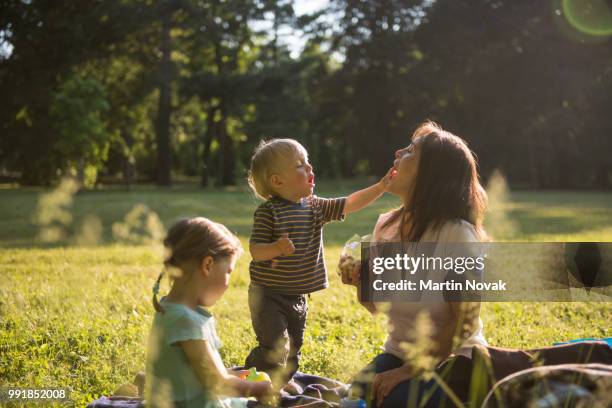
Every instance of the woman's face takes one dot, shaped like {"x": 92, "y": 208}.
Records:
{"x": 405, "y": 165}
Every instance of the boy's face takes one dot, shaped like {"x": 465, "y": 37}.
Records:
{"x": 295, "y": 178}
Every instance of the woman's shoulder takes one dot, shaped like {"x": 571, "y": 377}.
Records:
{"x": 457, "y": 230}
{"x": 454, "y": 230}
{"x": 384, "y": 217}
{"x": 390, "y": 233}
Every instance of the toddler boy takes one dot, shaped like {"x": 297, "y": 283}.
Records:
{"x": 286, "y": 245}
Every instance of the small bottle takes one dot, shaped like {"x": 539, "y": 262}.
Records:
{"x": 352, "y": 403}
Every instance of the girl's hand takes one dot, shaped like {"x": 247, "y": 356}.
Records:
{"x": 238, "y": 373}
{"x": 385, "y": 382}
{"x": 263, "y": 390}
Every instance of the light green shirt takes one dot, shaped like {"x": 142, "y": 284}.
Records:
{"x": 171, "y": 381}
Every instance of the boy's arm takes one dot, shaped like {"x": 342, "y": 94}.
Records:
{"x": 261, "y": 244}
{"x": 214, "y": 376}
{"x": 363, "y": 198}
{"x": 264, "y": 252}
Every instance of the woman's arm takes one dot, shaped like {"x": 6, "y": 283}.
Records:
{"x": 370, "y": 306}
{"x": 446, "y": 339}
{"x": 214, "y": 376}
{"x": 464, "y": 317}
{"x": 353, "y": 279}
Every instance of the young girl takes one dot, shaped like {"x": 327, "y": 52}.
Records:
{"x": 184, "y": 368}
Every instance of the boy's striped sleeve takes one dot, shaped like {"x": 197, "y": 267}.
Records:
{"x": 332, "y": 209}
{"x": 263, "y": 225}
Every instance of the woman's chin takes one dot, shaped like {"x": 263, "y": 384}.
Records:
{"x": 392, "y": 188}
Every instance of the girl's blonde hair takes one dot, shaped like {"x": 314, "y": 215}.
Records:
{"x": 192, "y": 239}
{"x": 265, "y": 162}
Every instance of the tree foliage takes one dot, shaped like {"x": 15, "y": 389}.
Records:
{"x": 157, "y": 90}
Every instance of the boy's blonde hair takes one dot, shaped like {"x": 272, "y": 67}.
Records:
{"x": 265, "y": 162}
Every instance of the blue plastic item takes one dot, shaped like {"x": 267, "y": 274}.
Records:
{"x": 352, "y": 403}
{"x": 607, "y": 340}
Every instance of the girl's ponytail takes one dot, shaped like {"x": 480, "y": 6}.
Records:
{"x": 156, "y": 305}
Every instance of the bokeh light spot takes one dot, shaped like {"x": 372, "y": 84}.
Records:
{"x": 591, "y": 17}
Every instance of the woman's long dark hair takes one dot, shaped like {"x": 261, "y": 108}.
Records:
{"x": 447, "y": 186}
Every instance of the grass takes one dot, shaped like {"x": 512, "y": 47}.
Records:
{"x": 77, "y": 316}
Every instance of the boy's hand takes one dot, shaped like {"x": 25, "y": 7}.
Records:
{"x": 362, "y": 198}
{"x": 386, "y": 180}
{"x": 285, "y": 245}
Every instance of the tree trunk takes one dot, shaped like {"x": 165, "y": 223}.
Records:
{"x": 80, "y": 173}
{"x": 275, "y": 40}
{"x": 602, "y": 178}
{"x": 533, "y": 165}
{"x": 225, "y": 172}
{"x": 128, "y": 160}
{"x": 164, "y": 155}
{"x": 208, "y": 137}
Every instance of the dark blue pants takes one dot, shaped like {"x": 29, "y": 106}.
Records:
{"x": 279, "y": 322}
{"x": 406, "y": 393}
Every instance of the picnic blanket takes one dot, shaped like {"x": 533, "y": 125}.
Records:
{"x": 492, "y": 366}
{"x": 315, "y": 392}
{"x": 557, "y": 386}
{"x": 117, "y": 402}
{"x": 470, "y": 379}
{"x": 505, "y": 361}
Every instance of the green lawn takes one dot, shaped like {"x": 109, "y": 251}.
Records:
{"x": 78, "y": 315}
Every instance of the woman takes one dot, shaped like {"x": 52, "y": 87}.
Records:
{"x": 437, "y": 179}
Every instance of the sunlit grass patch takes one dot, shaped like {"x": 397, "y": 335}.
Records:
{"x": 79, "y": 316}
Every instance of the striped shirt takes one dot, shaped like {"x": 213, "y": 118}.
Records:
{"x": 303, "y": 271}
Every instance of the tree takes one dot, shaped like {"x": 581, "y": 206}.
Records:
{"x": 77, "y": 111}
{"x": 226, "y": 49}
{"x": 164, "y": 111}
{"x": 50, "y": 41}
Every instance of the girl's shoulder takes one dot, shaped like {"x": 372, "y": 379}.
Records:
{"x": 179, "y": 323}
{"x": 176, "y": 312}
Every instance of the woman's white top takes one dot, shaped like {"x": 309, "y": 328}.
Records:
{"x": 402, "y": 315}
